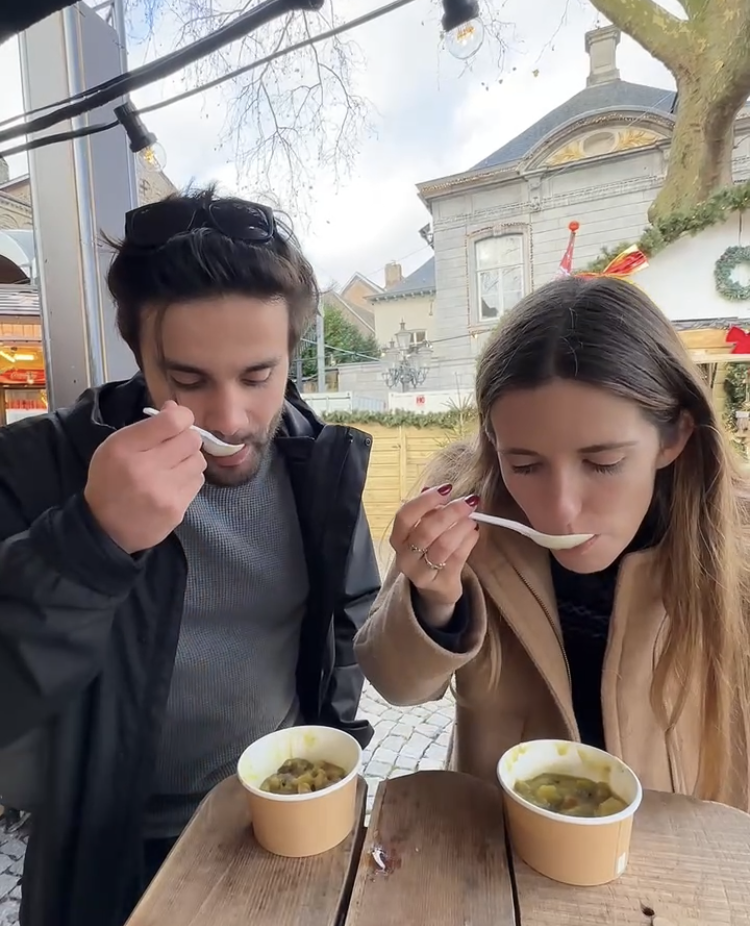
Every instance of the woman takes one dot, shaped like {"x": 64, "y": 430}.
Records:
{"x": 594, "y": 420}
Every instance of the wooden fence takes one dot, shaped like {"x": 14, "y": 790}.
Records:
{"x": 398, "y": 459}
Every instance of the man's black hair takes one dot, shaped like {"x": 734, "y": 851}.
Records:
{"x": 203, "y": 263}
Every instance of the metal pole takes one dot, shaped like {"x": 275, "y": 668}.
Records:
{"x": 87, "y": 223}
{"x": 78, "y": 189}
{"x": 321, "y": 347}
{"x": 120, "y": 27}
{"x": 299, "y": 375}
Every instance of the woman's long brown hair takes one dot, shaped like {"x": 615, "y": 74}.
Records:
{"x": 608, "y": 333}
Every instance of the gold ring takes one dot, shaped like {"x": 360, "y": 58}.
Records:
{"x": 436, "y": 567}
{"x": 418, "y": 550}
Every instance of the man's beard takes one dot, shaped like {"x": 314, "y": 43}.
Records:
{"x": 259, "y": 445}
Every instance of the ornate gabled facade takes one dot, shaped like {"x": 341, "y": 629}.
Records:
{"x": 598, "y": 136}
{"x": 15, "y": 195}
{"x": 15, "y": 211}
{"x": 500, "y": 228}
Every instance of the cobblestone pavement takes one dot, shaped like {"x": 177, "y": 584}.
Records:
{"x": 12, "y": 849}
{"x": 406, "y": 740}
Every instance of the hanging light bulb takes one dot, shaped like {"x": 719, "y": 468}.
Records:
{"x": 153, "y": 158}
{"x": 142, "y": 142}
{"x": 463, "y": 30}
{"x": 465, "y": 40}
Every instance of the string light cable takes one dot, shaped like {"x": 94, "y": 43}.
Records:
{"x": 312, "y": 40}
{"x": 210, "y": 85}
{"x": 124, "y": 84}
{"x": 289, "y": 49}
{"x": 46, "y": 140}
{"x": 456, "y": 11}
{"x": 85, "y": 93}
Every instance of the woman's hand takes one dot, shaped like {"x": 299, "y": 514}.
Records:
{"x": 433, "y": 538}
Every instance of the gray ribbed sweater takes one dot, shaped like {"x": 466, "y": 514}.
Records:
{"x": 234, "y": 676}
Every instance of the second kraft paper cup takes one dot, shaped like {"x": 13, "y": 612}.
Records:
{"x": 300, "y": 825}
{"x": 573, "y": 850}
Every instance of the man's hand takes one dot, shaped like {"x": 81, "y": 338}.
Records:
{"x": 143, "y": 478}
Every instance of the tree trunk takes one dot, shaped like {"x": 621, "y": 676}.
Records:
{"x": 709, "y": 55}
{"x": 700, "y": 154}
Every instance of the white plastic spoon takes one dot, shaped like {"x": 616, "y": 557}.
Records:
{"x": 213, "y": 445}
{"x": 549, "y": 541}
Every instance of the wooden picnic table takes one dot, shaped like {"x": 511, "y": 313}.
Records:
{"x": 435, "y": 853}
{"x": 217, "y": 874}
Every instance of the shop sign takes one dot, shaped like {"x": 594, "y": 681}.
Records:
{"x": 15, "y": 377}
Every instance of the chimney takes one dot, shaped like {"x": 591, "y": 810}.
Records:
{"x": 393, "y": 274}
{"x": 601, "y": 47}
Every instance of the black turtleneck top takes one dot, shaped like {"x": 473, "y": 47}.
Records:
{"x": 584, "y": 605}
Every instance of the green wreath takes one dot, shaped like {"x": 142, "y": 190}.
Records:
{"x": 725, "y": 266}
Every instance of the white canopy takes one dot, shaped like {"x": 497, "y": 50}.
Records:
{"x": 17, "y": 245}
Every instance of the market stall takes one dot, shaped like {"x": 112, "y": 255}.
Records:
{"x": 22, "y": 376}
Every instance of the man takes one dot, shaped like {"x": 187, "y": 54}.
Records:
{"x": 160, "y": 608}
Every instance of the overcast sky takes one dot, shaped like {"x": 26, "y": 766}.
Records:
{"x": 433, "y": 117}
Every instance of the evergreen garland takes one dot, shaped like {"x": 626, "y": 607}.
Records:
{"x": 455, "y": 419}
{"x": 735, "y": 392}
{"x": 664, "y": 231}
{"x": 726, "y": 285}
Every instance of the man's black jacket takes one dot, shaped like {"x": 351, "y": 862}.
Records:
{"x": 88, "y": 637}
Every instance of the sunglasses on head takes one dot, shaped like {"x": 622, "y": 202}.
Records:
{"x": 154, "y": 225}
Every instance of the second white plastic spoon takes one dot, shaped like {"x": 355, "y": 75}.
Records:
{"x": 549, "y": 541}
{"x": 213, "y": 445}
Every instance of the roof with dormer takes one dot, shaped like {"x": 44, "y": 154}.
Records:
{"x": 616, "y": 96}
{"x": 418, "y": 283}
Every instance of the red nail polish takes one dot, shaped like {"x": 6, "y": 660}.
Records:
{"x": 446, "y": 489}
{"x": 472, "y": 501}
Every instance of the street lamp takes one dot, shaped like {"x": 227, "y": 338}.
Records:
{"x": 405, "y": 363}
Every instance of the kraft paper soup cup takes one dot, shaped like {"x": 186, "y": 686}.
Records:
{"x": 299, "y": 825}
{"x": 573, "y": 850}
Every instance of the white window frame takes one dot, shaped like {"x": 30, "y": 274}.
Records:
{"x": 515, "y": 231}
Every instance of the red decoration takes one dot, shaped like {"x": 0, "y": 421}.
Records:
{"x": 739, "y": 339}
{"x": 566, "y": 264}
{"x": 630, "y": 261}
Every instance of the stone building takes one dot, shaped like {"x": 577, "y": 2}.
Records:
{"x": 500, "y": 228}
{"x": 15, "y": 194}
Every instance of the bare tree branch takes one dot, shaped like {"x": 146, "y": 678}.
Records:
{"x": 289, "y": 117}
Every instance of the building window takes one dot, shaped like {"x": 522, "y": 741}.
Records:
{"x": 418, "y": 337}
{"x": 499, "y": 267}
